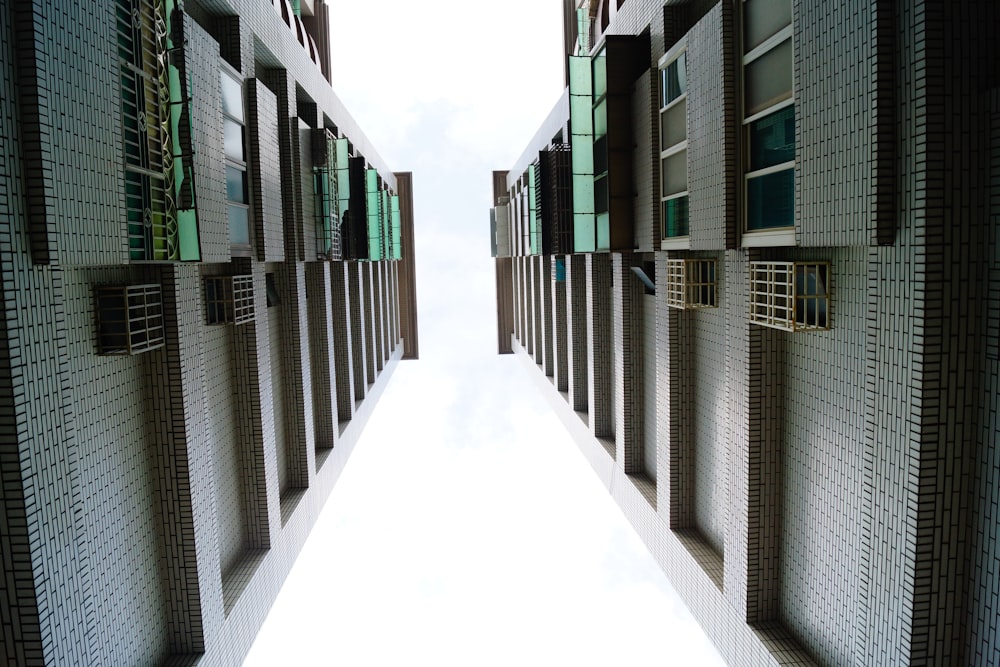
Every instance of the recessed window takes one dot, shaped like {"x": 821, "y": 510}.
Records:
{"x": 673, "y": 146}
{"x": 792, "y": 296}
{"x": 234, "y": 145}
{"x": 768, "y": 115}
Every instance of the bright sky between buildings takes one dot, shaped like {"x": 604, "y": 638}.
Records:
{"x": 466, "y": 529}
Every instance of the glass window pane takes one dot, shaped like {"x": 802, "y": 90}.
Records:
{"x": 674, "y": 80}
{"x": 600, "y": 74}
{"x": 232, "y": 97}
{"x": 674, "y": 174}
{"x": 763, "y": 18}
{"x": 771, "y": 200}
{"x": 233, "y": 139}
{"x": 772, "y": 139}
{"x": 601, "y": 119}
{"x": 601, "y": 194}
{"x": 239, "y": 225}
{"x": 603, "y": 224}
{"x": 768, "y": 79}
{"x": 673, "y": 125}
{"x": 601, "y": 156}
{"x": 675, "y": 217}
{"x": 236, "y": 184}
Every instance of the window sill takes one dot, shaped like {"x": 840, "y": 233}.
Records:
{"x": 769, "y": 238}
{"x": 676, "y": 243}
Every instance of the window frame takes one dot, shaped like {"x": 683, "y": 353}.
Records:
{"x": 773, "y": 236}
{"x": 676, "y": 52}
{"x": 238, "y": 250}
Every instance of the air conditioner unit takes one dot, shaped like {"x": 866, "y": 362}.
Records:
{"x": 691, "y": 283}
{"x": 129, "y": 319}
{"x": 229, "y": 299}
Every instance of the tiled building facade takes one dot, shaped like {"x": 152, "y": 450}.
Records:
{"x": 207, "y": 282}
{"x": 753, "y": 254}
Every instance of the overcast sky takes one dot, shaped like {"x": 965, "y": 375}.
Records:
{"x": 466, "y": 529}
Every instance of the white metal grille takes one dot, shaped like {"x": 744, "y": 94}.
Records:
{"x": 793, "y": 296}
{"x": 691, "y": 283}
{"x": 229, "y": 299}
{"x": 129, "y": 319}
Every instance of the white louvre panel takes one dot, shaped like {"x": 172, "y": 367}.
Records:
{"x": 229, "y": 299}
{"x": 792, "y": 296}
{"x": 129, "y": 319}
{"x": 691, "y": 283}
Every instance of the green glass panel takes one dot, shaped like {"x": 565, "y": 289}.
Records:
{"x": 397, "y": 227}
{"x": 772, "y": 139}
{"x": 580, "y": 81}
{"x": 372, "y": 201}
{"x": 584, "y": 235}
{"x": 581, "y": 108}
{"x": 583, "y": 29}
{"x": 675, "y": 217}
{"x": 771, "y": 200}
{"x": 532, "y": 211}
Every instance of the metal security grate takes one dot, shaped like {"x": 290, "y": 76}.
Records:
{"x": 557, "y": 200}
{"x": 691, "y": 283}
{"x": 129, "y": 319}
{"x": 792, "y": 296}
{"x": 229, "y": 299}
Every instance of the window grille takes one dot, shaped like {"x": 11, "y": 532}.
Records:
{"x": 792, "y": 296}
{"x": 129, "y": 319}
{"x": 229, "y": 299}
{"x": 691, "y": 283}
{"x": 557, "y": 200}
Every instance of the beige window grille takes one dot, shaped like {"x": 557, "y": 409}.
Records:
{"x": 691, "y": 283}
{"x": 792, "y": 296}
{"x": 229, "y": 299}
{"x": 129, "y": 319}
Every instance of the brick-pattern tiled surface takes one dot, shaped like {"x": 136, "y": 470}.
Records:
{"x": 626, "y": 343}
{"x": 560, "y": 330}
{"x": 207, "y": 141}
{"x": 142, "y": 522}
{"x": 264, "y": 172}
{"x": 711, "y": 151}
{"x": 368, "y": 312}
{"x": 322, "y": 358}
{"x": 649, "y": 393}
{"x": 576, "y": 331}
{"x": 645, "y": 161}
{"x": 343, "y": 344}
{"x": 600, "y": 379}
{"x": 359, "y": 324}
{"x": 834, "y": 196}
{"x": 828, "y": 497}
{"x": 544, "y": 276}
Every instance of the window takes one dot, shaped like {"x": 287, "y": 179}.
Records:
{"x": 234, "y": 141}
{"x": 768, "y": 115}
{"x": 673, "y": 146}
{"x": 229, "y": 299}
{"x": 691, "y": 283}
{"x": 129, "y": 319}
{"x": 792, "y": 296}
